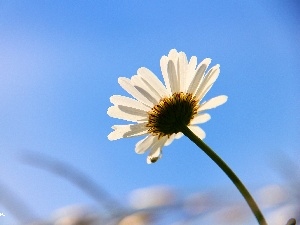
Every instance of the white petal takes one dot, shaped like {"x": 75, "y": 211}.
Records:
{"x": 213, "y": 103}
{"x": 173, "y": 77}
{"x": 170, "y": 140}
{"x": 181, "y": 70}
{"x": 198, "y": 75}
{"x": 190, "y": 72}
{"x": 208, "y": 81}
{"x": 192, "y": 63}
{"x": 150, "y": 77}
{"x": 130, "y": 130}
{"x": 200, "y": 118}
{"x": 164, "y": 70}
{"x": 126, "y": 84}
{"x": 156, "y": 152}
{"x": 145, "y": 90}
{"x": 198, "y": 131}
{"x": 126, "y": 101}
{"x": 152, "y": 89}
{"x": 173, "y": 55}
{"x": 178, "y": 135}
{"x": 127, "y": 113}
{"x": 146, "y": 143}
{"x": 202, "y": 92}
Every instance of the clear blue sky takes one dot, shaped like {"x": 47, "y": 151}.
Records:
{"x": 59, "y": 64}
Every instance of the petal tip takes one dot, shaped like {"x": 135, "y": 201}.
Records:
{"x": 111, "y": 136}
{"x": 122, "y": 79}
{"x": 208, "y": 60}
{"x": 110, "y": 111}
{"x": 224, "y": 98}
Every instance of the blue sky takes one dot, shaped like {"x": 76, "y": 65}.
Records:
{"x": 59, "y": 64}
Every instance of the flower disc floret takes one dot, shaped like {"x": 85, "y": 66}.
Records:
{"x": 167, "y": 117}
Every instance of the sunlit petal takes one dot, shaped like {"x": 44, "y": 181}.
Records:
{"x": 127, "y": 113}
{"x": 126, "y": 84}
{"x": 182, "y": 65}
{"x": 198, "y": 75}
{"x": 190, "y": 73}
{"x": 208, "y": 81}
{"x": 145, "y": 90}
{"x": 173, "y": 77}
{"x": 148, "y": 76}
{"x": 129, "y": 102}
{"x": 213, "y": 103}
{"x": 144, "y": 144}
{"x": 170, "y": 140}
{"x": 201, "y": 118}
{"x": 130, "y": 130}
{"x": 164, "y": 70}
{"x": 156, "y": 151}
{"x": 198, "y": 131}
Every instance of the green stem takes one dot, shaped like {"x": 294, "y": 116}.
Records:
{"x": 240, "y": 186}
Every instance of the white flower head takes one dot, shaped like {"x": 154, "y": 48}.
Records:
{"x": 158, "y": 111}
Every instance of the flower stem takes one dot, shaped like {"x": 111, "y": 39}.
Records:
{"x": 236, "y": 181}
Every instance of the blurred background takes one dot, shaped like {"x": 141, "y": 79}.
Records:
{"x": 59, "y": 64}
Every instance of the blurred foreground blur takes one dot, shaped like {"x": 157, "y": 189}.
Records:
{"x": 158, "y": 205}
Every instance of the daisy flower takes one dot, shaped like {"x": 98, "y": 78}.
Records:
{"x": 160, "y": 110}
{"x": 163, "y": 113}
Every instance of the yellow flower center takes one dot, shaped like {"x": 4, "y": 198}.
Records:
{"x": 171, "y": 113}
